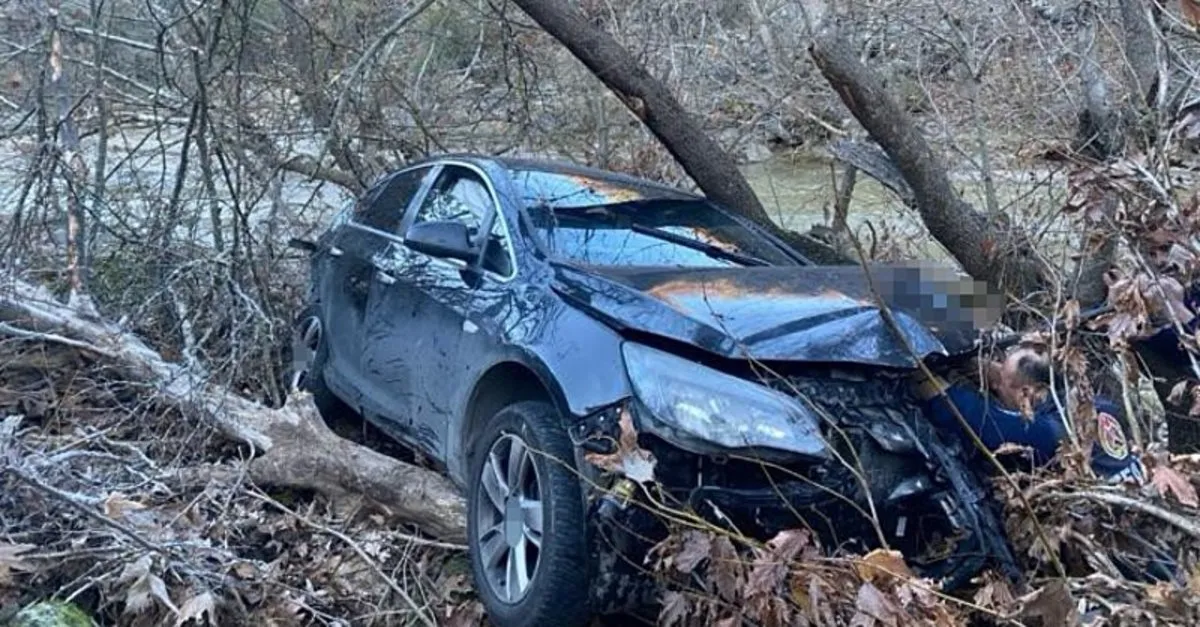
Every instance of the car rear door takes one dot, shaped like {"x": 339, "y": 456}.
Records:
{"x": 430, "y": 323}
{"x": 356, "y": 247}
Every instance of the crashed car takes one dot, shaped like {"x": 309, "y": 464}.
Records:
{"x": 565, "y": 342}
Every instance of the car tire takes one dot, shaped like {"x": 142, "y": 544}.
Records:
{"x": 557, "y": 588}
{"x": 312, "y": 378}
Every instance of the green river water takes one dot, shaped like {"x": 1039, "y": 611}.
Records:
{"x": 799, "y": 193}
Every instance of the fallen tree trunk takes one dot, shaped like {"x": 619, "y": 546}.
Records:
{"x": 293, "y": 446}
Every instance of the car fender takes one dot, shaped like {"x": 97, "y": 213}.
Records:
{"x": 576, "y": 360}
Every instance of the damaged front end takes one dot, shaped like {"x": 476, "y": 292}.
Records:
{"x": 847, "y": 455}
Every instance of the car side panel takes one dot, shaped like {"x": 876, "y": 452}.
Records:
{"x": 577, "y": 358}
{"x": 346, "y": 285}
{"x": 413, "y": 344}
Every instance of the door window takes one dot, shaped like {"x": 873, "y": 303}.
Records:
{"x": 461, "y": 195}
{"x": 383, "y": 207}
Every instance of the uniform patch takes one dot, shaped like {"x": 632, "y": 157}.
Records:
{"x": 1111, "y": 436}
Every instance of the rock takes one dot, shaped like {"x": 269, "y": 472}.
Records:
{"x": 51, "y": 614}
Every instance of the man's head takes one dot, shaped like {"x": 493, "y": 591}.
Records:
{"x": 1022, "y": 378}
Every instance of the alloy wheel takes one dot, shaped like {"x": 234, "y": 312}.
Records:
{"x": 509, "y": 536}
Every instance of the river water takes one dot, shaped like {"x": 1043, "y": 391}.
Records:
{"x": 799, "y": 193}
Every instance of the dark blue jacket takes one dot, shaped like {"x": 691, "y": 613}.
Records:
{"x": 1165, "y": 343}
{"x": 995, "y": 426}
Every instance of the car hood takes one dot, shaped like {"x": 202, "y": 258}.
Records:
{"x": 807, "y": 314}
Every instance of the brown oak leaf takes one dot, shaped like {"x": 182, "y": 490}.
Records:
{"x": 726, "y": 570}
{"x": 697, "y": 547}
{"x": 880, "y": 566}
{"x": 1170, "y": 481}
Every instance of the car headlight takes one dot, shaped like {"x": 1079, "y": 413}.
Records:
{"x": 693, "y": 406}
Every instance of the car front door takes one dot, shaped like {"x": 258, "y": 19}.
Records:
{"x": 425, "y": 317}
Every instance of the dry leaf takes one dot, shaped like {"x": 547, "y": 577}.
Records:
{"x": 674, "y": 609}
{"x": 11, "y": 560}
{"x": 1194, "y": 582}
{"x": 1070, "y": 313}
{"x": 996, "y": 594}
{"x": 726, "y": 569}
{"x": 469, "y": 614}
{"x": 1052, "y": 604}
{"x": 787, "y": 544}
{"x": 144, "y": 587}
{"x": 196, "y": 608}
{"x": 245, "y": 570}
{"x": 881, "y": 565}
{"x": 631, "y": 460}
{"x": 116, "y": 505}
{"x": 696, "y": 548}
{"x": 1169, "y": 480}
{"x": 872, "y": 603}
{"x": 766, "y": 576}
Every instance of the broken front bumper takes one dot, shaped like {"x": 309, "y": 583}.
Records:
{"x": 892, "y": 480}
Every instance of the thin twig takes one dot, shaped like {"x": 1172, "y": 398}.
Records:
{"x": 391, "y": 583}
{"x": 71, "y": 500}
{"x": 1183, "y": 522}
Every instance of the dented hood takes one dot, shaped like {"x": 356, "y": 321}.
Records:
{"x": 807, "y": 314}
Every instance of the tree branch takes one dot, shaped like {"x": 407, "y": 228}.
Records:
{"x": 651, "y": 102}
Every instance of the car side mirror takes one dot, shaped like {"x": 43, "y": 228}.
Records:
{"x": 446, "y": 239}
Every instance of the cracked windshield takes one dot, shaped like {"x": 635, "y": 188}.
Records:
{"x": 604, "y": 222}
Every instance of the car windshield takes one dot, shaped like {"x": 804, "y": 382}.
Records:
{"x": 614, "y": 223}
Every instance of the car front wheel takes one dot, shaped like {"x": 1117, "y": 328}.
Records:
{"x": 526, "y": 525}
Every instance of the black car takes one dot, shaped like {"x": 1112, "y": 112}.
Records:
{"x": 512, "y": 319}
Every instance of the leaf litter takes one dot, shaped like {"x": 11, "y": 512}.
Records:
{"x": 142, "y": 516}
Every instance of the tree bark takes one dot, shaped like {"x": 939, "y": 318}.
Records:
{"x": 293, "y": 445}
{"x": 1099, "y": 136}
{"x": 982, "y": 249}
{"x": 713, "y": 170}
{"x": 1143, "y": 54}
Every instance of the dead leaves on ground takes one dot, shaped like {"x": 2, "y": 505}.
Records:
{"x": 722, "y": 580}
{"x": 220, "y": 556}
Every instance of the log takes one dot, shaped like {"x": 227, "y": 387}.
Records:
{"x": 293, "y": 447}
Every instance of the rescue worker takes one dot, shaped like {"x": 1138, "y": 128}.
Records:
{"x": 1014, "y": 406}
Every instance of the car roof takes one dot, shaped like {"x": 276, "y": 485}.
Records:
{"x": 556, "y": 166}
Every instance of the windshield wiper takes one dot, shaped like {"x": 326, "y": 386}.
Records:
{"x": 599, "y": 213}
